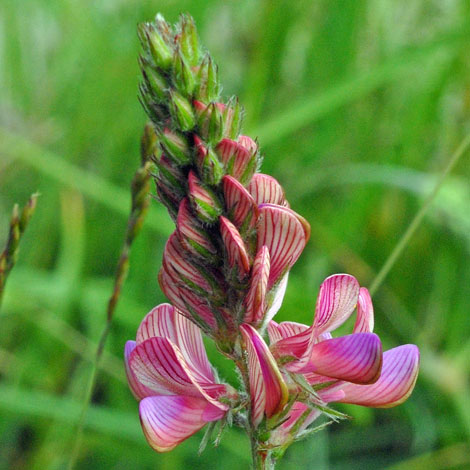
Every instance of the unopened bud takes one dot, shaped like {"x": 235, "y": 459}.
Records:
{"x": 205, "y": 202}
{"x": 175, "y": 147}
{"x": 181, "y": 111}
{"x": 183, "y": 76}
{"x": 208, "y": 86}
{"x": 210, "y": 121}
{"x": 160, "y": 51}
{"x": 188, "y": 40}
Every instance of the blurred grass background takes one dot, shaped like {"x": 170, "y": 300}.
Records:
{"x": 358, "y": 105}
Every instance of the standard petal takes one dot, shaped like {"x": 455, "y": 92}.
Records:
{"x": 165, "y": 321}
{"x": 169, "y": 420}
{"x": 336, "y": 301}
{"x": 396, "y": 382}
{"x": 267, "y": 388}
{"x": 159, "y": 365}
{"x": 266, "y": 189}
{"x": 365, "y": 313}
{"x": 255, "y": 300}
{"x": 354, "y": 358}
{"x": 138, "y": 390}
{"x": 241, "y": 207}
{"x": 280, "y": 230}
{"x": 235, "y": 247}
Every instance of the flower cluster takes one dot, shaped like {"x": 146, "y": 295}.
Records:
{"x": 225, "y": 270}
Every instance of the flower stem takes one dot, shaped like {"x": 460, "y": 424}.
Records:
{"x": 418, "y": 217}
{"x": 261, "y": 458}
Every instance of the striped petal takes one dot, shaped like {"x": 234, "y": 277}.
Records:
{"x": 365, "y": 313}
{"x": 176, "y": 262}
{"x": 248, "y": 143}
{"x": 191, "y": 235}
{"x": 165, "y": 321}
{"x": 354, "y": 358}
{"x": 236, "y": 250}
{"x": 280, "y": 230}
{"x": 267, "y": 388}
{"x": 255, "y": 300}
{"x": 285, "y": 329}
{"x": 241, "y": 207}
{"x": 396, "y": 382}
{"x": 138, "y": 390}
{"x": 190, "y": 304}
{"x": 266, "y": 189}
{"x": 159, "y": 365}
{"x": 234, "y": 156}
{"x": 169, "y": 420}
{"x": 336, "y": 301}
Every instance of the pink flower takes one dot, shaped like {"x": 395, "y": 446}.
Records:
{"x": 268, "y": 391}
{"x": 168, "y": 371}
{"x": 347, "y": 369}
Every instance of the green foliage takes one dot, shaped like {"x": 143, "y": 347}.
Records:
{"x": 358, "y": 106}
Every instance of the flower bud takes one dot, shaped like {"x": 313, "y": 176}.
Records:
{"x": 181, "y": 111}
{"x": 156, "y": 83}
{"x": 238, "y": 161}
{"x": 188, "y": 40}
{"x": 209, "y": 166}
{"x": 232, "y": 117}
{"x": 204, "y": 201}
{"x": 210, "y": 121}
{"x": 237, "y": 255}
{"x": 175, "y": 146}
{"x": 160, "y": 51}
{"x": 183, "y": 76}
{"x": 192, "y": 236}
{"x": 208, "y": 86}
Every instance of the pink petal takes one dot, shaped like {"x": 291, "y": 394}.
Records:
{"x": 280, "y": 230}
{"x": 190, "y": 304}
{"x": 159, "y": 365}
{"x": 191, "y": 234}
{"x": 138, "y": 390}
{"x": 234, "y": 156}
{"x": 354, "y": 358}
{"x": 236, "y": 250}
{"x": 336, "y": 301}
{"x": 267, "y": 388}
{"x": 165, "y": 321}
{"x": 396, "y": 382}
{"x": 241, "y": 207}
{"x": 248, "y": 143}
{"x": 265, "y": 189}
{"x": 365, "y": 313}
{"x": 255, "y": 300}
{"x": 169, "y": 420}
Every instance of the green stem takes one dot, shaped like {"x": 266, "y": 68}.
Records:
{"x": 261, "y": 459}
{"x": 418, "y": 217}
{"x": 88, "y": 395}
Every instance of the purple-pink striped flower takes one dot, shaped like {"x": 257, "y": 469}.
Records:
{"x": 168, "y": 371}
{"x": 347, "y": 369}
